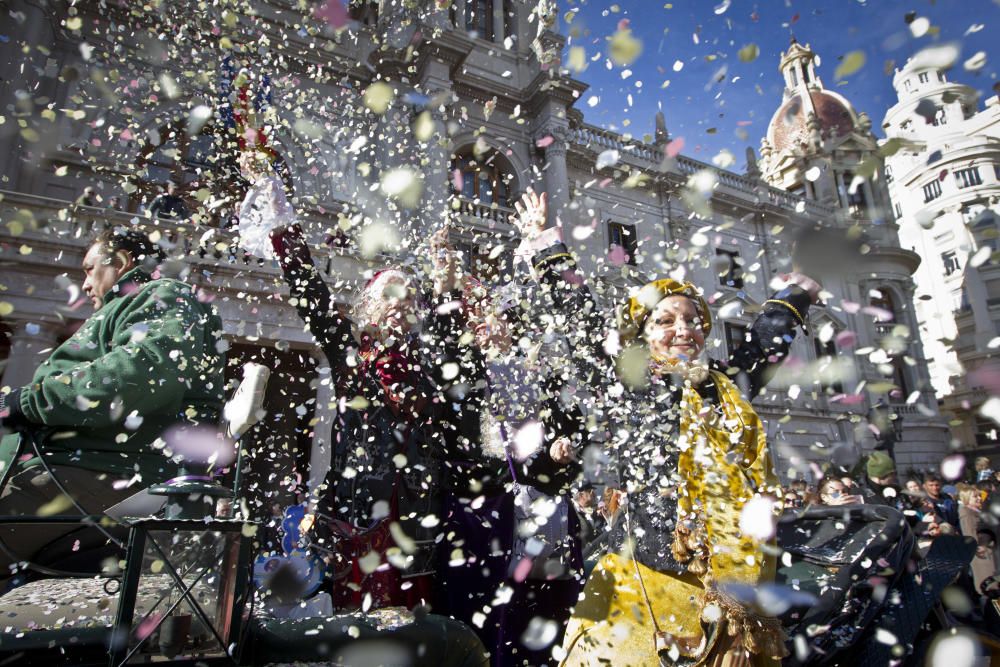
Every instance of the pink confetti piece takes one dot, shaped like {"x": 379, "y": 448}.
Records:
{"x": 880, "y": 314}
{"x": 545, "y": 141}
{"x": 522, "y": 570}
{"x": 846, "y": 338}
{"x": 848, "y": 399}
{"x": 988, "y": 377}
{"x": 617, "y": 255}
{"x": 147, "y": 626}
{"x": 333, "y": 12}
{"x": 675, "y": 147}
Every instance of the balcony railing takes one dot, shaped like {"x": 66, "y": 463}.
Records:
{"x": 598, "y": 139}
{"x": 60, "y": 221}
{"x": 489, "y": 216}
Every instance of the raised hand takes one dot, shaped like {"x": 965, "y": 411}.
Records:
{"x": 446, "y": 262}
{"x": 531, "y": 211}
{"x": 812, "y": 287}
{"x": 561, "y": 451}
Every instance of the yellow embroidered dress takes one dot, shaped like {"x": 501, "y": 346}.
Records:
{"x": 688, "y": 455}
{"x": 723, "y": 464}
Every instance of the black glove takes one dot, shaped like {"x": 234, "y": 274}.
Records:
{"x": 10, "y": 411}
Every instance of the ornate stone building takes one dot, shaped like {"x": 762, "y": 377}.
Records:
{"x": 404, "y": 120}
{"x": 943, "y": 170}
{"x": 820, "y": 147}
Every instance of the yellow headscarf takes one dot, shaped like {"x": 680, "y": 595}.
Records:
{"x": 633, "y": 315}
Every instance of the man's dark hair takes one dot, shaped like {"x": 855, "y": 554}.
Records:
{"x": 135, "y": 243}
{"x": 933, "y": 477}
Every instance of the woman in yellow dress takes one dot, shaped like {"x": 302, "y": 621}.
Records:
{"x": 696, "y": 493}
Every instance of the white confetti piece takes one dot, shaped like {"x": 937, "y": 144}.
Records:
{"x": 757, "y": 518}
{"x": 607, "y": 158}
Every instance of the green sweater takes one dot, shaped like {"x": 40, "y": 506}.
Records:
{"x": 149, "y": 358}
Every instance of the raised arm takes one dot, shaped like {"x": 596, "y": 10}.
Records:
{"x": 557, "y": 464}
{"x": 576, "y": 313}
{"x": 754, "y": 363}
{"x": 311, "y": 296}
{"x": 458, "y": 366}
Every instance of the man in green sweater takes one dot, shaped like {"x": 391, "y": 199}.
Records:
{"x": 150, "y": 359}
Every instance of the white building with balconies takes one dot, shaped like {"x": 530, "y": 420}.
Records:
{"x": 943, "y": 170}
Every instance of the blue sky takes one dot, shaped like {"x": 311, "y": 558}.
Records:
{"x": 706, "y": 36}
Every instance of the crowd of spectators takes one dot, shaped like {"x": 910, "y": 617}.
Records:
{"x": 933, "y": 506}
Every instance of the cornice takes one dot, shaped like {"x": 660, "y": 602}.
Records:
{"x": 562, "y": 89}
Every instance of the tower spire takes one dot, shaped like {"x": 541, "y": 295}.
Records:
{"x": 798, "y": 68}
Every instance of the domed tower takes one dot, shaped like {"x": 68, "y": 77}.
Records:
{"x": 818, "y": 146}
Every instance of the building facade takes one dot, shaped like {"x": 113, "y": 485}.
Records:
{"x": 943, "y": 169}
{"x": 399, "y": 122}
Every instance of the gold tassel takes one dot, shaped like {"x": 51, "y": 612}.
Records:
{"x": 760, "y": 635}
{"x": 690, "y": 546}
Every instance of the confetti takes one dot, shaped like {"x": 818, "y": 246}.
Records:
{"x": 851, "y": 63}
{"x": 378, "y": 96}
{"x": 623, "y": 47}
{"x": 976, "y": 62}
{"x": 749, "y": 53}
{"x": 608, "y": 158}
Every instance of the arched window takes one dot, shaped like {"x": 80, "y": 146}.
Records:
{"x": 883, "y": 299}
{"x": 202, "y": 168}
{"x": 828, "y": 369}
{"x": 478, "y": 17}
{"x": 484, "y": 180}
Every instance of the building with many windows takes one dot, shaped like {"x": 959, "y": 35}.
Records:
{"x": 402, "y": 120}
{"x": 943, "y": 170}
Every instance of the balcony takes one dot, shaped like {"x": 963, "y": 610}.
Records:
{"x": 483, "y": 217}
{"x": 598, "y": 139}
{"x": 647, "y": 156}
{"x": 57, "y": 226}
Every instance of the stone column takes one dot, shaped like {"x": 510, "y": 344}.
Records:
{"x": 556, "y": 175}
{"x": 871, "y": 205}
{"x": 498, "y": 21}
{"x": 31, "y": 343}
{"x": 437, "y": 186}
{"x": 841, "y": 186}
{"x": 435, "y": 150}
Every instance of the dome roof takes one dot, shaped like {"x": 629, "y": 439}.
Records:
{"x": 788, "y": 127}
